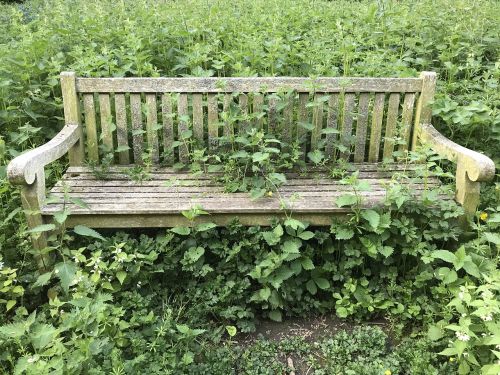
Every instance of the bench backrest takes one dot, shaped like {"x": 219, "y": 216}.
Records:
{"x": 373, "y": 116}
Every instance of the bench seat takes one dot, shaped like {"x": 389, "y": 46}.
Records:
{"x": 119, "y": 201}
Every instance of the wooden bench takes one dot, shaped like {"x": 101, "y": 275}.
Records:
{"x": 116, "y": 112}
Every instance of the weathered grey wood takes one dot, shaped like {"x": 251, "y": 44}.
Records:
{"x": 72, "y": 115}
{"x": 137, "y": 129}
{"x": 288, "y": 126}
{"x": 406, "y": 124}
{"x": 347, "y": 117}
{"x": 423, "y": 114}
{"x": 272, "y": 114}
{"x": 91, "y": 127}
{"x": 182, "y": 113}
{"x": 24, "y": 168}
{"x": 317, "y": 121}
{"x": 361, "y": 126}
{"x": 121, "y": 128}
{"x": 472, "y": 167}
{"x": 198, "y": 118}
{"x": 106, "y": 122}
{"x": 332, "y": 123}
{"x": 213, "y": 121}
{"x": 248, "y": 84}
{"x": 151, "y": 127}
{"x": 243, "y": 104}
{"x": 168, "y": 128}
{"x": 303, "y": 117}
{"x": 390, "y": 126}
{"x": 376, "y": 129}
{"x": 257, "y": 108}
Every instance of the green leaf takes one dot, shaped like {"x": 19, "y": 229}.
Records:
{"x": 42, "y": 280}
{"x": 460, "y": 258}
{"x": 10, "y": 304}
{"x": 258, "y": 157}
{"x": 294, "y": 224}
{"x": 42, "y": 335}
{"x": 78, "y": 202}
{"x": 275, "y": 315}
{"x": 372, "y": 217}
{"x": 435, "y": 333}
{"x": 184, "y": 329}
{"x": 120, "y": 275}
{"x": 194, "y": 253}
{"x": 445, "y": 255}
{"x": 341, "y": 312}
{"x": 231, "y": 330}
{"x": 13, "y": 330}
{"x": 311, "y": 287}
{"x": 316, "y": 156}
{"x": 343, "y": 233}
{"x": 449, "y": 352}
{"x": 291, "y": 247}
{"x": 183, "y": 231}
{"x": 322, "y": 283}
{"x": 61, "y": 217}
{"x": 205, "y": 226}
{"x": 306, "y": 235}
{"x": 472, "y": 269}
{"x": 82, "y": 230}
{"x": 447, "y": 275}
{"x": 122, "y": 148}
{"x": 386, "y": 250}
{"x": 277, "y": 178}
{"x": 492, "y": 237}
{"x": 346, "y": 200}
{"x": 307, "y": 263}
{"x": 42, "y": 228}
{"x": 66, "y": 272}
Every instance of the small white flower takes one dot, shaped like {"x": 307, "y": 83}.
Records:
{"x": 1, "y": 265}
{"x": 486, "y": 294}
{"x": 462, "y": 336}
{"x": 31, "y": 359}
{"x": 56, "y": 271}
{"x": 461, "y": 295}
{"x": 76, "y": 259}
{"x": 62, "y": 312}
{"x": 139, "y": 284}
{"x": 487, "y": 318}
{"x": 464, "y": 315}
{"x": 497, "y": 346}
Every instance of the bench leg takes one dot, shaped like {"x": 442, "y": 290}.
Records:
{"x": 32, "y": 197}
{"x": 468, "y": 192}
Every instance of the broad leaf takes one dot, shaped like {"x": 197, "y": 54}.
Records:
{"x": 82, "y": 230}
{"x": 66, "y": 272}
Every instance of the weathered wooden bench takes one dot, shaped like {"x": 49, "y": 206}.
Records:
{"x": 117, "y": 111}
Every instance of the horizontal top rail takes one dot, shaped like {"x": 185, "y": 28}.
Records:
{"x": 247, "y": 84}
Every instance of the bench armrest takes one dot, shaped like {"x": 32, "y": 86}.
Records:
{"x": 472, "y": 167}
{"x": 23, "y": 169}
{"x": 479, "y": 167}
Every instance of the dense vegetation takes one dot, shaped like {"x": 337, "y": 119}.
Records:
{"x": 177, "y": 301}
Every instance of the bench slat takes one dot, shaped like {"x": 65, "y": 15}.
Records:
{"x": 121, "y": 127}
{"x": 91, "y": 127}
{"x": 257, "y": 107}
{"x": 376, "y": 128}
{"x": 213, "y": 121}
{"x": 106, "y": 122}
{"x": 317, "y": 122}
{"x": 347, "y": 120}
{"x": 182, "y": 115}
{"x": 407, "y": 116}
{"x": 198, "y": 118}
{"x": 168, "y": 128}
{"x": 247, "y": 84}
{"x": 303, "y": 118}
{"x": 151, "y": 124}
{"x": 137, "y": 131}
{"x": 332, "y": 123}
{"x": 390, "y": 127}
{"x": 362, "y": 122}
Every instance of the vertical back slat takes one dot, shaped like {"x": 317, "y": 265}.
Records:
{"x": 390, "y": 126}
{"x": 288, "y": 130}
{"x": 213, "y": 120}
{"x": 303, "y": 117}
{"x": 359, "y": 151}
{"x": 228, "y": 130}
{"x": 332, "y": 123}
{"x": 317, "y": 121}
{"x": 198, "y": 118}
{"x": 168, "y": 128}
{"x": 347, "y": 119}
{"x": 137, "y": 131}
{"x": 407, "y": 116}
{"x": 91, "y": 127}
{"x": 257, "y": 104}
{"x": 106, "y": 122}
{"x": 182, "y": 112}
{"x": 243, "y": 103}
{"x": 424, "y": 111}
{"x": 121, "y": 128}
{"x": 375, "y": 134}
{"x": 151, "y": 127}
{"x": 272, "y": 115}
